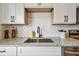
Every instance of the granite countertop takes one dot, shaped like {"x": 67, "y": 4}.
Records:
{"x": 71, "y": 42}
{"x": 20, "y": 42}
{"x": 57, "y": 42}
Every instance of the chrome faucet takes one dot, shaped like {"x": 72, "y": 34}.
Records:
{"x": 39, "y": 32}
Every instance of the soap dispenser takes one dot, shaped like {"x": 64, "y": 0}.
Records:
{"x": 33, "y": 34}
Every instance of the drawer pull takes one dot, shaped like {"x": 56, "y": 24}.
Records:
{"x": 66, "y": 19}
{"x": 2, "y": 51}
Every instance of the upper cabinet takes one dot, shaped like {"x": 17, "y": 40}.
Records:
{"x": 70, "y": 13}
{"x": 64, "y": 13}
{"x": 38, "y": 5}
{"x": 20, "y": 14}
{"x": 8, "y": 13}
{"x": 12, "y": 13}
{"x": 17, "y": 13}
{"x": 58, "y": 15}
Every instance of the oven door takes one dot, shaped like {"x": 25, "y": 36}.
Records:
{"x": 71, "y": 51}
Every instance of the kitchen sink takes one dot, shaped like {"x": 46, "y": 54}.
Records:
{"x": 30, "y": 40}
{"x": 39, "y": 40}
{"x": 45, "y": 40}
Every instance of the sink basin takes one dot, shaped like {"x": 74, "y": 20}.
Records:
{"x": 39, "y": 40}
{"x": 45, "y": 41}
{"x": 30, "y": 40}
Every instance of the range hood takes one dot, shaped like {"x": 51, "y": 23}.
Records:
{"x": 39, "y": 9}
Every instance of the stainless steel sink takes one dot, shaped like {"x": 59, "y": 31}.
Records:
{"x": 45, "y": 40}
{"x": 39, "y": 40}
{"x": 30, "y": 40}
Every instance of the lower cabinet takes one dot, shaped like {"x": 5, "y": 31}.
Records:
{"x": 30, "y": 51}
{"x": 7, "y": 51}
{"x": 39, "y": 51}
{"x": 71, "y": 51}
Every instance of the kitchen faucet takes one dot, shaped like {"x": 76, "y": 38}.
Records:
{"x": 39, "y": 33}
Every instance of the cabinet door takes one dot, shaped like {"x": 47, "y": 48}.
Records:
{"x": 19, "y": 13}
{"x": 70, "y": 12}
{"x": 12, "y": 13}
{"x": 39, "y": 51}
{"x": 64, "y": 13}
{"x": 8, "y": 10}
{"x": 7, "y": 51}
{"x": 38, "y": 5}
{"x": 5, "y": 13}
{"x": 58, "y": 15}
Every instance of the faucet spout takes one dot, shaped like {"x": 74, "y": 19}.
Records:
{"x": 38, "y": 31}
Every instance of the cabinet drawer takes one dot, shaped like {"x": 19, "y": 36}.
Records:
{"x": 7, "y": 51}
{"x": 39, "y": 51}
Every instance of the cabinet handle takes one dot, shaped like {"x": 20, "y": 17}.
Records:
{"x": 20, "y": 50}
{"x": 66, "y": 19}
{"x": 12, "y": 18}
{"x": 2, "y": 51}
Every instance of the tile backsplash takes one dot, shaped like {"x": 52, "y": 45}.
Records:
{"x": 25, "y": 31}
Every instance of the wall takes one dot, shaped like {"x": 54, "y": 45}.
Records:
{"x": 44, "y": 21}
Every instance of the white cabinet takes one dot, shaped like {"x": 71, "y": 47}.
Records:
{"x": 58, "y": 15}
{"x": 38, "y": 5}
{"x": 8, "y": 13}
{"x": 19, "y": 14}
{"x": 7, "y": 51}
{"x": 39, "y": 51}
{"x": 64, "y": 13}
{"x": 70, "y": 12}
{"x": 12, "y": 13}
{"x": 30, "y": 51}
